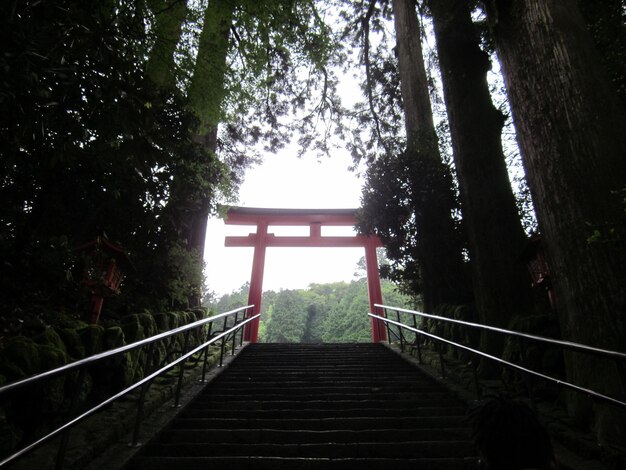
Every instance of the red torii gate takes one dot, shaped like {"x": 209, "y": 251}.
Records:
{"x": 314, "y": 219}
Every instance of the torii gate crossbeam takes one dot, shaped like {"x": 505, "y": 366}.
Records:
{"x": 314, "y": 219}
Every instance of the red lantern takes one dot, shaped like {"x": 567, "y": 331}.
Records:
{"x": 103, "y": 264}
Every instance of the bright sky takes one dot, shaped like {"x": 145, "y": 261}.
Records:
{"x": 284, "y": 181}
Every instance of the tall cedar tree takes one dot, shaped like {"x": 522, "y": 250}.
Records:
{"x": 490, "y": 216}
{"x": 246, "y": 58}
{"x": 439, "y": 251}
{"x": 206, "y": 94}
{"x": 570, "y": 125}
{"x": 191, "y": 198}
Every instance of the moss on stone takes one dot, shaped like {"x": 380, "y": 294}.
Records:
{"x": 187, "y": 317}
{"x": 51, "y": 357}
{"x": 172, "y": 320}
{"x": 162, "y": 321}
{"x": 92, "y": 338}
{"x": 63, "y": 320}
{"x": 52, "y": 338}
{"x": 114, "y": 338}
{"x": 73, "y": 343}
{"x": 147, "y": 322}
{"x": 53, "y": 390}
{"x": 200, "y": 313}
{"x": 11, "y": 371}
{"x": 133, "y": 329}
{"x": 19, "y": 358}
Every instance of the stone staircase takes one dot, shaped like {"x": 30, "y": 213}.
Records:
{"x": 316, "y": 406}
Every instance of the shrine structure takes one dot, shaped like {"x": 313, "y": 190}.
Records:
{"x": 315, "y": 219}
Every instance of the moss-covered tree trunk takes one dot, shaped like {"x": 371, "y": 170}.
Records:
{"x": 169, "y": 16}
{"x": 570, "y": 125}
{"x": 439, "y": 250}
{"x": 206, "y": 95}
{"x": 490, "y": 217}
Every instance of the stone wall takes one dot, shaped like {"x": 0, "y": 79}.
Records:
{"x": 33, "y": 411}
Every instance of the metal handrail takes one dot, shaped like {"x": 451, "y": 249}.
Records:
{"x": 564, "y": 344}
{"x": 556, "y": 342}
{"x": 82, "y": 363}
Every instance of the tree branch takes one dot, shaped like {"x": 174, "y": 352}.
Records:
{"x": 368, "y": 75}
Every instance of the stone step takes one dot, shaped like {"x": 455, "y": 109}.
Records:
{"x": 356, "y": 386}
{"x": 322, "y": 404}
{"x": 403, "y": 450}
{"x": 244, "y": 380}
{"x": 275, "y": 436}
{"x": 273, "y": 463}
{"x": 316, "y": 407}
{"x": 309, "y": 372}
{"x": 318, "y": 424}
{"x": 296, "y": 412}
{"x": 337, "y": 387}
{"x": 330, "y": 395}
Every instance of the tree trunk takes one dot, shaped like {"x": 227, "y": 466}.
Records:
{"x": 169, "y": 17}
{"x": 490, "y": 217}
{"x": 605, "y": 22}
{"x": 439, "y": 250}
{"x": 570, "y": 126}
{"x": 206, "y": 94}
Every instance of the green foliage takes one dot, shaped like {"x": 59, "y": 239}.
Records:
{"x": 396, "y": 196}
{"x": 323, "y": 313}
{"x": 90, "y": 145}
{"x": 289, "y": 318}
{"x": 233, "y": 300}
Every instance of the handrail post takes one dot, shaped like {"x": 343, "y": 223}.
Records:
{"x": 223, "y": 342}
{"x": 400, "y": 334}
{"x": 142, "y": 396}
{"x": 206, "y": 353}
{"x": 527, "y": 378}
{"x": 417, "y": 341}
{"x": 181, "y": 371}
{"x": 241, "y": 330}
{"x": 479, "y": 392}
{"x": 387, "y": 327}
{"x": 232, "y": 351}
{"x": 72, "y": 409}
{"x": 419, "y": 349}
{"x": 441, "y": 364}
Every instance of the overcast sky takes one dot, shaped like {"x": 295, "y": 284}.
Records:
{"x": 284, "y": 181}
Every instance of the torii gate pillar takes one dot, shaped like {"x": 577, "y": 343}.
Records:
{"x": 375, "y": 295}
{"x": 255, "y": 293}
{"x": 314, "y": 218}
